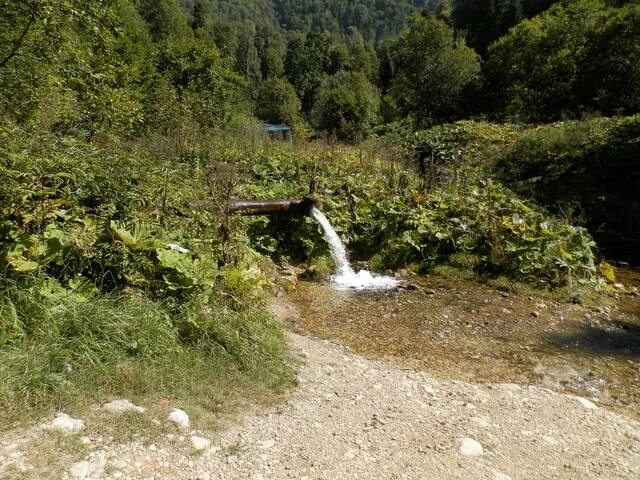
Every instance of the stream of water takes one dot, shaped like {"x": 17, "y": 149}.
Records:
{"x": 346, "y": 278}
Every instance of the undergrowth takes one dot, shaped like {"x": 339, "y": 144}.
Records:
{"x": 61, "y": 352}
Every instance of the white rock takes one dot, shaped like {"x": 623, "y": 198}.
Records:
{"x": 500, "y": 476}
{"x": 470, "y": 448}
{"x": 81, "y": 469}
{"x": 65, "y": 424}
{"x": 180, "y": 418}
{"x": 122, "y": 406}
{"x": 87, "y": 469}
{"x": 267, "y": 444}
{"x": 550, "y": 440}
{"x": 588, "y": 404}
{"x": 480, "y": 421}
{"x": 199, "y": 443}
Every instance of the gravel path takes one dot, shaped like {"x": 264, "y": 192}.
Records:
{"x": 352, "y": 417}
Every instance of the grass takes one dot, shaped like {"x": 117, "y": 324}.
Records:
{"x": 59, "y": 352}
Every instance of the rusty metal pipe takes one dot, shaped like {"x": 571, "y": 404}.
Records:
{"x": 300, "y": 206}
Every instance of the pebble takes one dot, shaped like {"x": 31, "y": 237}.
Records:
{"x": 500, "y": 476}
{"x": 65, "y": 424}
{"x": 588, "y": 404}
{"x": 199, "y": 443}
{"x": 482, "y": 422}
{"x": 81, "y": 469}
{"x": 87, "y": 469}
{"x": 471, "y": 448}
{"x": 122, "y": 406}
{"x": 535, "y": 314}
{"x": 267, "y": 444}
{"x": 550, "y": 440}
{"x": 180, "y": 418}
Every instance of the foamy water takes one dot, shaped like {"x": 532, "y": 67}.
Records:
{"x": 346, "y": 278}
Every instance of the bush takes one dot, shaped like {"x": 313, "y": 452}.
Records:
{"x": 277, "y": 102}
{"x": 61, "y": 348}
{"x": 588, "y": 171}
{"x": 346, "y": 105}
{"x": 379, "y": 211}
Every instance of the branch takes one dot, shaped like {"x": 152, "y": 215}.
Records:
{"x": 18, "y": 42}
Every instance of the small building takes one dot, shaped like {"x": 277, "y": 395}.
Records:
{"x": 279, "y": 132}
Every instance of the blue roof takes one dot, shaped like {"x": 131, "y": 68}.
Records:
{"x": 277, "y": 128}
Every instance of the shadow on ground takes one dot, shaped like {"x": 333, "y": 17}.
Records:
{"x": 617, "y": 337}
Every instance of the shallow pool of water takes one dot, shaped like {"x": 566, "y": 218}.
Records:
{"x": 466, "y": 330}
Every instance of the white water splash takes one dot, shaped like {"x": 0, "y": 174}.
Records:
{"x": 346, "y": 278}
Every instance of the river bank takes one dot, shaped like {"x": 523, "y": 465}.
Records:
{"x": 464, "y": 330}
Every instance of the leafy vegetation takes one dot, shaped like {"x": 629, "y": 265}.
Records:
{"x": 434, "y": 67}
{"x": 577, "y": 57}
{"x": 347, "y": 106}
{"x": 127, "y": 128}
{"x": 587, "y": 171}
{"x": 384, "y": 214}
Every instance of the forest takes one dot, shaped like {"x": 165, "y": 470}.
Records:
{"x": 499, "y": 137}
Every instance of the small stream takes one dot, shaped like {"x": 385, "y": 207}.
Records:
{"x": 466, "y": 330}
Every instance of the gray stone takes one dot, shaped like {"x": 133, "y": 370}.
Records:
{"x": 81, "y": 469}
{"x": 500, "y": 476}
{"x": 588, "y": 404}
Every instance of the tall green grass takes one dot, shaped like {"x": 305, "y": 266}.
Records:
{"x": 60, "y": 351}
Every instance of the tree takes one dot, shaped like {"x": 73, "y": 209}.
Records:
{"x": 434, "y": 68}
{"x": 346, "y": 106}
{"x": 206, "y": 86}
{"x": 277, "y": 102}
{"x": 307, "y": 63}
{"x": 576, "y": 57}
{"x": 165, "y": 18}
{"x": 486, "y": 20}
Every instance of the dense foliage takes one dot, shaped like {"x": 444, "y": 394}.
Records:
{"x": 277, "y": 102}
{"x": 587, "y": 171}
{"x": 347, "y": 106}
{"x": 106, "y": 262}
{"x": 127, "y": 127}
{"x": 577, "y": 57}
{"x": 434, "y": 67}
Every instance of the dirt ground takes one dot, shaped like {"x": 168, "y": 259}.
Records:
{"x": 353, "y": 417}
